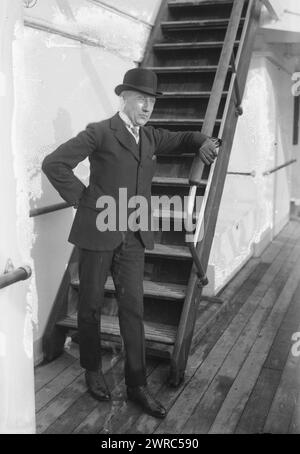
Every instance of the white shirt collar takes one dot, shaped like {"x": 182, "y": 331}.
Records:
{"x": 127, "y": 120}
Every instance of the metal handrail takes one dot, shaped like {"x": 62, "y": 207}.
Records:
{"x": 20, "y": 274}
{"x": 48, "y": 209}
{"x": 288, "y": 163}
{"x": 56, "y": 31}
{"x": 271, "y": 9}
{"x": 246, "y": 174}
{"x": 209, "y": 122}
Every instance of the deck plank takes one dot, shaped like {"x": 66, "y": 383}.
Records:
{"x": 45, "y": 372}
{"x": 190, "y": 396}
{"x": 282, "y": 344}
{"x": 204, "y": 321}
{"x": 282, "y": 408}
{"x": 63, "y": 393}
{"x": 189, "y": 399}
{"x": 238, "y": 395}
{"x": 57, "y": 385}
{"x": 284, "y": 403}
{"x": 294, "y": 427}
{"x": 260, "y": 401}
{"x": 256, "y": 410}
{"x": 204, "y": 414}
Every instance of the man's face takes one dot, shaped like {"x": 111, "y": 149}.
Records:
{"x": 138, "y": 107}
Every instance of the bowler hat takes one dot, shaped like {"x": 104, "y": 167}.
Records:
{"x": 139, "y": 79}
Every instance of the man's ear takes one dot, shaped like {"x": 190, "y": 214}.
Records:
{"x": 122, "y": 101}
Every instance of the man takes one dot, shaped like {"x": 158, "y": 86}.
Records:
{"x": 121, "y": 152}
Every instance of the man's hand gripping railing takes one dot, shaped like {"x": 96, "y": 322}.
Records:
{"x": 193, "y": 238}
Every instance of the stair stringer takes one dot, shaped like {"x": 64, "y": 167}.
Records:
{"x": 185, "y": 330}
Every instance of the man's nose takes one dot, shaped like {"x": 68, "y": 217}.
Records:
{"x": 146, "y": 105}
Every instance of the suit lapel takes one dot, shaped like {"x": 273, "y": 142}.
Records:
{"x": 124, "y": 136}
{"x": 144, "y": 144}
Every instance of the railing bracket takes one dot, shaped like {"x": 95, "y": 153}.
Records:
{"x": 12, "y": 275}
{"x": 203, "y": 281}
{"x": 239, "y": 111}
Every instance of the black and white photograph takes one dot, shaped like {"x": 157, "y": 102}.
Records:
{"x": 150, "y": 220}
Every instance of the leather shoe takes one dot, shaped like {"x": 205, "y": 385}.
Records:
{"x": 142, "y": 396}
{"x": 96, "y": 385}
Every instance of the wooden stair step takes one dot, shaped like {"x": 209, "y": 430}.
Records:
{"x": 185, "y": 69}
{"x": 155, "y": 332}
{"x": 177, "y": 4}
{"x": 174, "y": 181}
{"x": 195, "y": 24}
{"x": 178, "y": 121}
{"x": 172, "y": 214}
{"x": 190, "y": 45}
{"x": 187, "y": 94}
{"x": 169, "y": 250}
{"x": 163, "y": 290}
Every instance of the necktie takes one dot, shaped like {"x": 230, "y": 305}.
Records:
{"x": 135, "y": 132}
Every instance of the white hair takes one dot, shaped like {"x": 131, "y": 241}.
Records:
{"x": 123, "y": 97}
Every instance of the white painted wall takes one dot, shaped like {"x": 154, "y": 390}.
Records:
{"x": 283, "y": 37}
{"x": 145, "y": 10}
{"x": 110, "y": 28}
{"x": 288, "y": 12}
{"x": 295, "y": 194}
{"x": 17, "y": 308}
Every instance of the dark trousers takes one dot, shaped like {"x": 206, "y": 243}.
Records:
{"x": 126, "y": 264}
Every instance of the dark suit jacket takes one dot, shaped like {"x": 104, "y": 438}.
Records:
{"x": 115, "y": 162}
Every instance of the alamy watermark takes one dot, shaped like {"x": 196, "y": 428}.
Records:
{"x": 296, "y": 345}
{"x": 164, "y": 213}
{"x": 296, "y": 85}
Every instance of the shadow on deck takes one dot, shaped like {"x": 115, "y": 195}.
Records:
{"x": 243, "y": 377}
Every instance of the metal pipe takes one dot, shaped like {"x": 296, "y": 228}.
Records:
{"x": 56, "y": 31}
{"x": 247, "y": 174}
{"x": 20, "y": 274}
{"x": 294, "y": 13}
{"x": 48, "y": 209}
{"x": 120, "y": 12}
{"x": 79, "y": 38}
{"x": 271, "y": 9}
{"x": 268, "y": 172}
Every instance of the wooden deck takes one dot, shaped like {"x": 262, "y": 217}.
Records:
{"x": 244, "y": 376}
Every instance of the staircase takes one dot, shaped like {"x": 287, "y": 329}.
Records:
{"x": 201, "y": 52}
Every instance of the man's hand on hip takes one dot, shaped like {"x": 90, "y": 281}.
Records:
{"x": 207, "y": 151}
